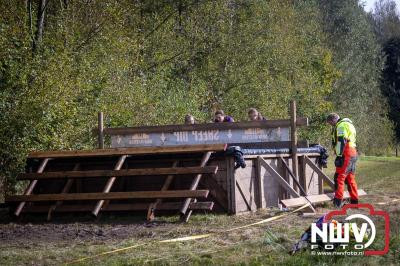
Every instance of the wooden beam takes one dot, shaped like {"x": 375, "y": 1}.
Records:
{"x": 231, "y": 184}
{"x": 295, "y": 181}
{"x": 259, "y": 183}
{"x": 320, "y": 173}
{"x": 109, "y": 184}
{"x": 185, "y": 214}
{"x": 129, "y": 151}
{"x": 31, "y": 186}
{"x": 152, "y": 207}
{"x": 320, "y": 180}
{"x": 271, "y": 145}
{"x": 243, "y": 195}
{"x": 216, "y": 191}
{"x": 300, "y": 201}
{"x": 164, "y": 206}
{"x": 110, "y": 195}
{"x": 293, "y": 138}
{"x": 279, "y": 178}
{"x": 65, "y": 189}
{"x": 280, "y": 168}
{"x": 100, "y": 130}
{"x": 301, "y": 121}
{"x": 303, "y": 174}
{"x": 118, "y": 173}
{"x": 302, "y": 190}
{"x": 276, "y": 155}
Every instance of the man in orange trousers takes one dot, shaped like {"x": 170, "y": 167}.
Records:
{"x": 344, "y": 144}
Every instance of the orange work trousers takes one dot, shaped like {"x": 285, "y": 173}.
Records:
{"x": 346, "y": 175}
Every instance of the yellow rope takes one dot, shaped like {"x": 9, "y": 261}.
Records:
{"x": 388, "y": 202}
{"x": 187, "y": 238}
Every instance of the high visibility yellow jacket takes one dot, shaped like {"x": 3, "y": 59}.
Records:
{"x": 343, "y": 133}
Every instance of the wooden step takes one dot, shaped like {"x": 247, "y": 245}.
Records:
{"x": 297, "y": 202}
{"x": 117, "y": 173}
{"x": 207, "y": 205}
{"x": 129, "y": 151}
{"x": 110, "y": 195}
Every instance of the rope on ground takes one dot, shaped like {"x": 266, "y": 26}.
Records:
{"x": 187, "y": 238}
{"x": 388, "y": 202}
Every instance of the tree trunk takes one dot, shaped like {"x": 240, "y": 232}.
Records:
{"x": 40, "y": 24}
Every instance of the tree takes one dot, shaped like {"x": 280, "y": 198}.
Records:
{"x": 386, "y": 20}
{"x": 356, "y": 53}
{"x": 390, "y": 82}
{"x": 152, "y": 62}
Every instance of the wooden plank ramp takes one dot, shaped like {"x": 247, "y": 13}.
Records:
{"x": 129, "y": 172}
{"x": 163, "y": 206}
{"x": 120, "y": 179}
{"x": 110, "y": 195}
{"x": 300, "y": 201}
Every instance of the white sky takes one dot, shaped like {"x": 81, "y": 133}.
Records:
{"x": 369, "y": 4}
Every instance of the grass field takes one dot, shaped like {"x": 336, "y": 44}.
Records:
{"x": 266, "y": 244}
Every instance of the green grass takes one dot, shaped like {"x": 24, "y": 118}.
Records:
{"x": 381, "y": 175}
{"x": 380, "y": 159}
{"x": 266, "y": 244}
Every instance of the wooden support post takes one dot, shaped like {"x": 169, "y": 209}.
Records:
{"x": 280, "y": 179}
{"x": 320, "y": 185}
{"x": 231, "y": 184}
{"x": 65, "y": 189}
{"x": 216, "y": 191}
{"x": 302, "y": 174}
{"x": 243, "y": 195}
{"x": 31, "y": 186}
{"x": 282, "y": 193}
{"x": 295, "y": 182}
{"x": 109, "y": 184}
{"x": 303, "y": 192}
{"x": 185, "y": 214}
{"x": 101, "y": 130}
{"x": 153, "y": 206}
{"x": 260, "y": 183}
{"x": 319, "y": 172}
{"x": 293, "y": 137}
{"x": 320, "y": 180}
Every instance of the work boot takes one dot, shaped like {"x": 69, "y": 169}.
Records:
{"x": 354, "y": 201}
{"x": 338, "y": 203}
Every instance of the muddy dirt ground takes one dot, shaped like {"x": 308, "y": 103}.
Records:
{"x": 34, "y": 229}
{"x": 64, "y": 229}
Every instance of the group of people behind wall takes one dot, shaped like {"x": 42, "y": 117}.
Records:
{"x": 221, "y": 117}
{"x": 343, "y": 144}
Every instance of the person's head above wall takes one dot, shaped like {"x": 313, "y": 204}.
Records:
{"x": 255, "y": 115}
{"x": 219, "y": 117}
{"x": 189, "y": 119}
{"x": 332, "y": 119}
